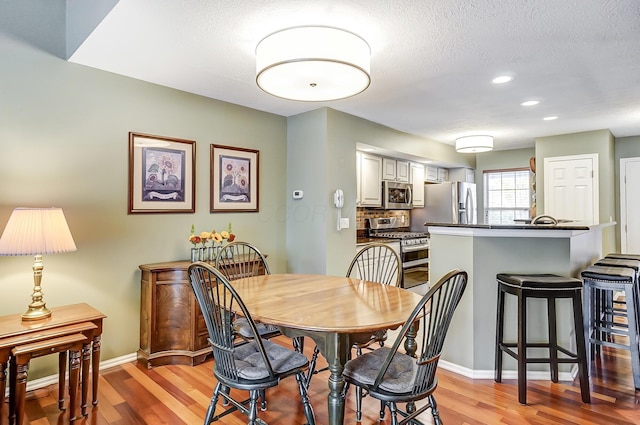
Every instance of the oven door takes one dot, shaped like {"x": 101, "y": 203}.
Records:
{"x": 415, "y": 265}
{"x": 415, "y": 276}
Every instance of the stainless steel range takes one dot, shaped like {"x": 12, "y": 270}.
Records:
{"x": 414, "y": 248}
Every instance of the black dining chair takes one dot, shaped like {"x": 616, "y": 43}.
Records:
{"x": 253, "y": 366}
{"x": 392, "y": 376}
{"x": 237, "y": 260}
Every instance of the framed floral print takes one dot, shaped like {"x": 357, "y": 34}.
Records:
{"x": 162, "y": 175}
{"x": 234, "y": 179}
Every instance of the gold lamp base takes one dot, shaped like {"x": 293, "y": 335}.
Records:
{"x": 38, "y": 308}
{"x": 36, "y": 313}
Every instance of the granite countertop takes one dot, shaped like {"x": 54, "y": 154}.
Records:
{"x": 516, "y": 226}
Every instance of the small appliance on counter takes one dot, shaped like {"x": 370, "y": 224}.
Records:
{"x": 448, "y": 202}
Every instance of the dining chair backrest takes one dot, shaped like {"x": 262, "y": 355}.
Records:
{"x": 433, "y": 314}
{"x": 237, "y": 260}
{"x": 376, "y": 262}
{"x": 218, "y": 301}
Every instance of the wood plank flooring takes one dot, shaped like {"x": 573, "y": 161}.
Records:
{"x": 177, "y": 395}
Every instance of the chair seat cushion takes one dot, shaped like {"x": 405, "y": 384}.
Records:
{"x": 539, "y": 281}
{"x": 399, "y": 377}
{"x": 241, "y": 327}
{"x": 613, "y": 274}
{"x": 250, "y": 364}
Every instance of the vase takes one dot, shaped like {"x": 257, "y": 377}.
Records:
{"x": 194, "y": 255}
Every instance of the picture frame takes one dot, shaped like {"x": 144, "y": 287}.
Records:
{"x": 234, "y": 179}
{"x": 162, "y": 176}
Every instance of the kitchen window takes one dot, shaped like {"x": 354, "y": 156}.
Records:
{"x": 507, "y": 195}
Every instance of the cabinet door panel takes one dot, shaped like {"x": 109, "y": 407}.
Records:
{"x": 173, "y": 317}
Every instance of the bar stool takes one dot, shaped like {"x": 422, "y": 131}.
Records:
{"x": 623, "y": 256}
{"x": 550, "y": 287}
{"x": 629, "y": 263}
{"x": 600, "y": 323}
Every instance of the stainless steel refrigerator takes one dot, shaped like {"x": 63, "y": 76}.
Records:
{"x": 448, "y": 202}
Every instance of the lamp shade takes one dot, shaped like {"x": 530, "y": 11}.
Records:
{"x": 36, "y": 231}
{"x": 313, "y": 64}
{"x": 474, "y": 144}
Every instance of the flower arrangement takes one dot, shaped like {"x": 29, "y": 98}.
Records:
{"x": 201, "y": 242}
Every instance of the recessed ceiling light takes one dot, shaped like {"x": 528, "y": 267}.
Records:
{"x": 502, "y": 79}
{"x": 530, "y": 103}
{"x": 551, "y": 118}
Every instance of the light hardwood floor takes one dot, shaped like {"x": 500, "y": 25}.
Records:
{"x": 177, "y": 395}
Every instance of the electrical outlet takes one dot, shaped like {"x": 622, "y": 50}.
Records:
{"x": 344, "y": 223}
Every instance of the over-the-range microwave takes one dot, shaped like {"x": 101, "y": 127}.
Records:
{"x": 396, "y": 196}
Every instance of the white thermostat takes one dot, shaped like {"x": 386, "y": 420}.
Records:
{"x": 298, "y": 194}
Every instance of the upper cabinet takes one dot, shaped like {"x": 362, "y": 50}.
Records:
{"x": 443, "y": 175}
{"x": 395, "y": 170}
{"x": 436, "y": 174}
{"x": 416, "y": 178}
{"x": 462, "y": 175}
{"x": 369, "y": 180}
{"x": 431, "y": 173}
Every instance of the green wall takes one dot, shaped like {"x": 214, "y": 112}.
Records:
{"x": 64, "y": 136}
{"x": 626, "y": 147}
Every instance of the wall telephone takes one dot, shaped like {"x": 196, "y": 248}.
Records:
{"x": 338, "y": 198}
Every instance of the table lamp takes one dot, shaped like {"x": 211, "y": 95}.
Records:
{"x": 36, "y": 231}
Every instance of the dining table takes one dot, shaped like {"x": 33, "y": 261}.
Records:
{"x": 334, "y": 311}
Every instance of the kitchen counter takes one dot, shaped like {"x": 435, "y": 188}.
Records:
{"x": 516, "y": 230}
{"x": 486, "y": 250}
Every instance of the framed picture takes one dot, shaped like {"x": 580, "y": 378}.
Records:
{"x": 234, "y": 179}
{"x": 162, "y": 176}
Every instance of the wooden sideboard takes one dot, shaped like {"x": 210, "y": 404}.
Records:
{"x": 172, "y": 329}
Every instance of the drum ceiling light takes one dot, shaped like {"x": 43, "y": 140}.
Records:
{"x": 313, "y": 64}
{"x": 474, "y": 144}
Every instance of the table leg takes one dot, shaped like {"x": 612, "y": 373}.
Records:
{"x": 95, "y": 364}
{"x": 20, "y": 389}
{"x": 86, "y": 363}
{"x": 410, "y": 344}
{"x": 3, "y": 384}
{"x": 74, "y": 377}
{"x": 62, "y": 375}
{"x": 336, "y": 349}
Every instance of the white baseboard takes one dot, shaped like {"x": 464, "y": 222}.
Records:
{"x": 506, "y": 374}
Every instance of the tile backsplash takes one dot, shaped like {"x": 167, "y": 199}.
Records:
{"x": 363, "y": 213}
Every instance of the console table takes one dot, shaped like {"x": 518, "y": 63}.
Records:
{"x": 75, "y": 328}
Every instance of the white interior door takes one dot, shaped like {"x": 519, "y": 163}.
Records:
{"x": 630, "y": 205}
{"x": 570, "y": 187}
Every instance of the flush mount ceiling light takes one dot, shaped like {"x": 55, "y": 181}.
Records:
{"x": 474, "y": 144}
{"x": 313, "y": 64}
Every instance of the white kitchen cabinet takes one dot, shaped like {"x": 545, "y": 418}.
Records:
{"x": 395, "y": 170}
{"x": 402, "y": 171}
{"x": 462, "y": 175}
{"x": 416, "y": 178}
{"x": 443, "y": 175}
{"x": 369, "y": 180}
{"x": 431, "y": 173}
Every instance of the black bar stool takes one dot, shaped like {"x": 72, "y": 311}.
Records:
{"x": 623, "y": 256}
{"x": 550, "y": 287}
{"x": 600, "y": 323}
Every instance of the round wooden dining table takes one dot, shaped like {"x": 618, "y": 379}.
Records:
{"x": 334, "y": 311}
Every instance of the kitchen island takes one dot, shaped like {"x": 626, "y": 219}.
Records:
{"x": 485, "y": 250}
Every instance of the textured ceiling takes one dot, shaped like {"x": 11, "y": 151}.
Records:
{"x": 432, "y": 61}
